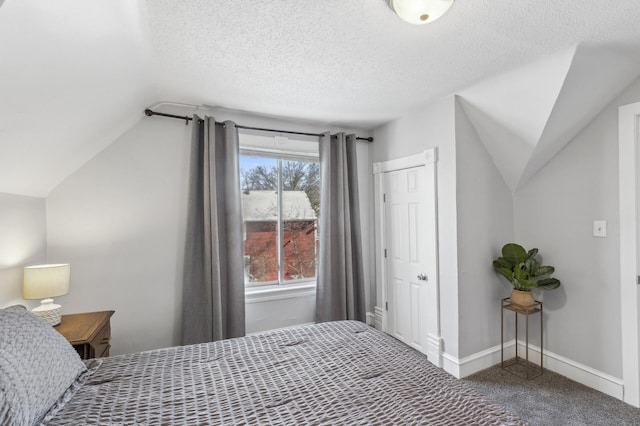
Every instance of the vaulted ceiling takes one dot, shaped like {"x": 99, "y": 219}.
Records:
{"x": 526, "y": 116}
{"x": 76, "y": 74}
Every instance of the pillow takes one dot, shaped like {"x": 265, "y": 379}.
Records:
{"x": 37, "y": 365}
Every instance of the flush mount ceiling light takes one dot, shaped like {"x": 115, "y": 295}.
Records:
{"x": 419, "y": 12}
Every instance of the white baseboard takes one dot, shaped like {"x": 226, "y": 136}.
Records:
{"x": 580, "y": 373}
{"x": 451, "y": 365}
{"x": 378, "y": 318}
{"x": 434, "y": 349}
{"x": 484, "y": 359}
{"x": 473, "y": 363}
{"x": 371, "y": 319}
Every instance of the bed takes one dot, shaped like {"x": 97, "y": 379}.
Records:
{"x": 325, "y": 374}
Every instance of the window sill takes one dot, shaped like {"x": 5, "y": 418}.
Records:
{"x": 277, "y": 292}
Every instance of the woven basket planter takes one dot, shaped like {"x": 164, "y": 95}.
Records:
{"x": 522, "y": 298}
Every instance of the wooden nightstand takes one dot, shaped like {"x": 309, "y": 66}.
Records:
{"x": 89, "y": 333}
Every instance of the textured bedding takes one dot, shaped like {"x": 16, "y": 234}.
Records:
{"x": 326, "y": 374}
{"x": 37, "y": 368}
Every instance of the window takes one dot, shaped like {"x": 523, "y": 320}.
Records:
{"x": 281, "y": 207}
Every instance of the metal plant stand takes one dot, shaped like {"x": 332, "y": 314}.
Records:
{"x": 519, "y": 366}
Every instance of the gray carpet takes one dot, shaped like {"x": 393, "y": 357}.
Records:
{"x": 552, "y": 399}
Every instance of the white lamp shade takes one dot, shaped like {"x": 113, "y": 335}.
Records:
{"x": 44, "y": 281}
{"x": 419, "y": 12}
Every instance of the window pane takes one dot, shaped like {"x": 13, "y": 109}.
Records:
{"x": 259, "y": 181}
{"x": 300, "y": 211}
{"x": 260, "y": 252}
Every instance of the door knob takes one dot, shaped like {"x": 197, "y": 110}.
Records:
{"x": 422, "y": 277}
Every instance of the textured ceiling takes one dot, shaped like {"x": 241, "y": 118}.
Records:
{"x": 76, "y": 74}
{"x": 354, "y": 62}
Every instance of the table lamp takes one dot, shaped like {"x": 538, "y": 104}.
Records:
{"x": 46, "y": 282}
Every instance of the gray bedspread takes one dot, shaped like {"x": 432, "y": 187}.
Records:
{"x": 326, "y": 374}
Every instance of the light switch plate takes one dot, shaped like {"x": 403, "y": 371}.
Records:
{"x": 599, "y": 228}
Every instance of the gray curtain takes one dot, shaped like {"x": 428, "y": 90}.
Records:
{"x": 340, "y": 288}
{"x": 213, "y": 287}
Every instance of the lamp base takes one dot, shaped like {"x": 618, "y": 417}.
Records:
{"x": 49, "y": 311}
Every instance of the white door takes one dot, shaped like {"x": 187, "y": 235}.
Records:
{"x": 629, "y": 160}
{"x": 407, "y": 293}
{"x": 406, "y": 264}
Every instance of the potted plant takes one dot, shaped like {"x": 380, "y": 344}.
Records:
{"x": 524, "y": 272}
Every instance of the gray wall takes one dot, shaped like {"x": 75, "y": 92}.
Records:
{"x": 429, "y": 127}
{"x": 555, "y": 212}
{"x": 120, "y": 221}
{"x": 22, "y": 243}
{"x": 485, "y": 224}
{"x": 475, "y": 218}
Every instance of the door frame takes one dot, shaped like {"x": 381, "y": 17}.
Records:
{"x": 427, "y": 159}
{"x": 628, "y": 150}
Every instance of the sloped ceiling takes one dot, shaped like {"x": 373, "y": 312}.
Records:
{"x": 76, "y": 74}
{"x": 526, "y": 116}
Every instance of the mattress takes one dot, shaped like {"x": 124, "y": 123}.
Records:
{"x": 325, "y": 374}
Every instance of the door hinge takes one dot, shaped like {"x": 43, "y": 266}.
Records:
{"x": 386, "y": 306}
{"x": 385, "y": 253}
{"x": 638, "y": 280}
{"x": 384, "y": 198}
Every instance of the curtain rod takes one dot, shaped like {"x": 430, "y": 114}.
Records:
{"x": 148, "y": 112}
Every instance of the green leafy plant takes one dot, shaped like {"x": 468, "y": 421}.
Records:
{"x": 522, "y": 269}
